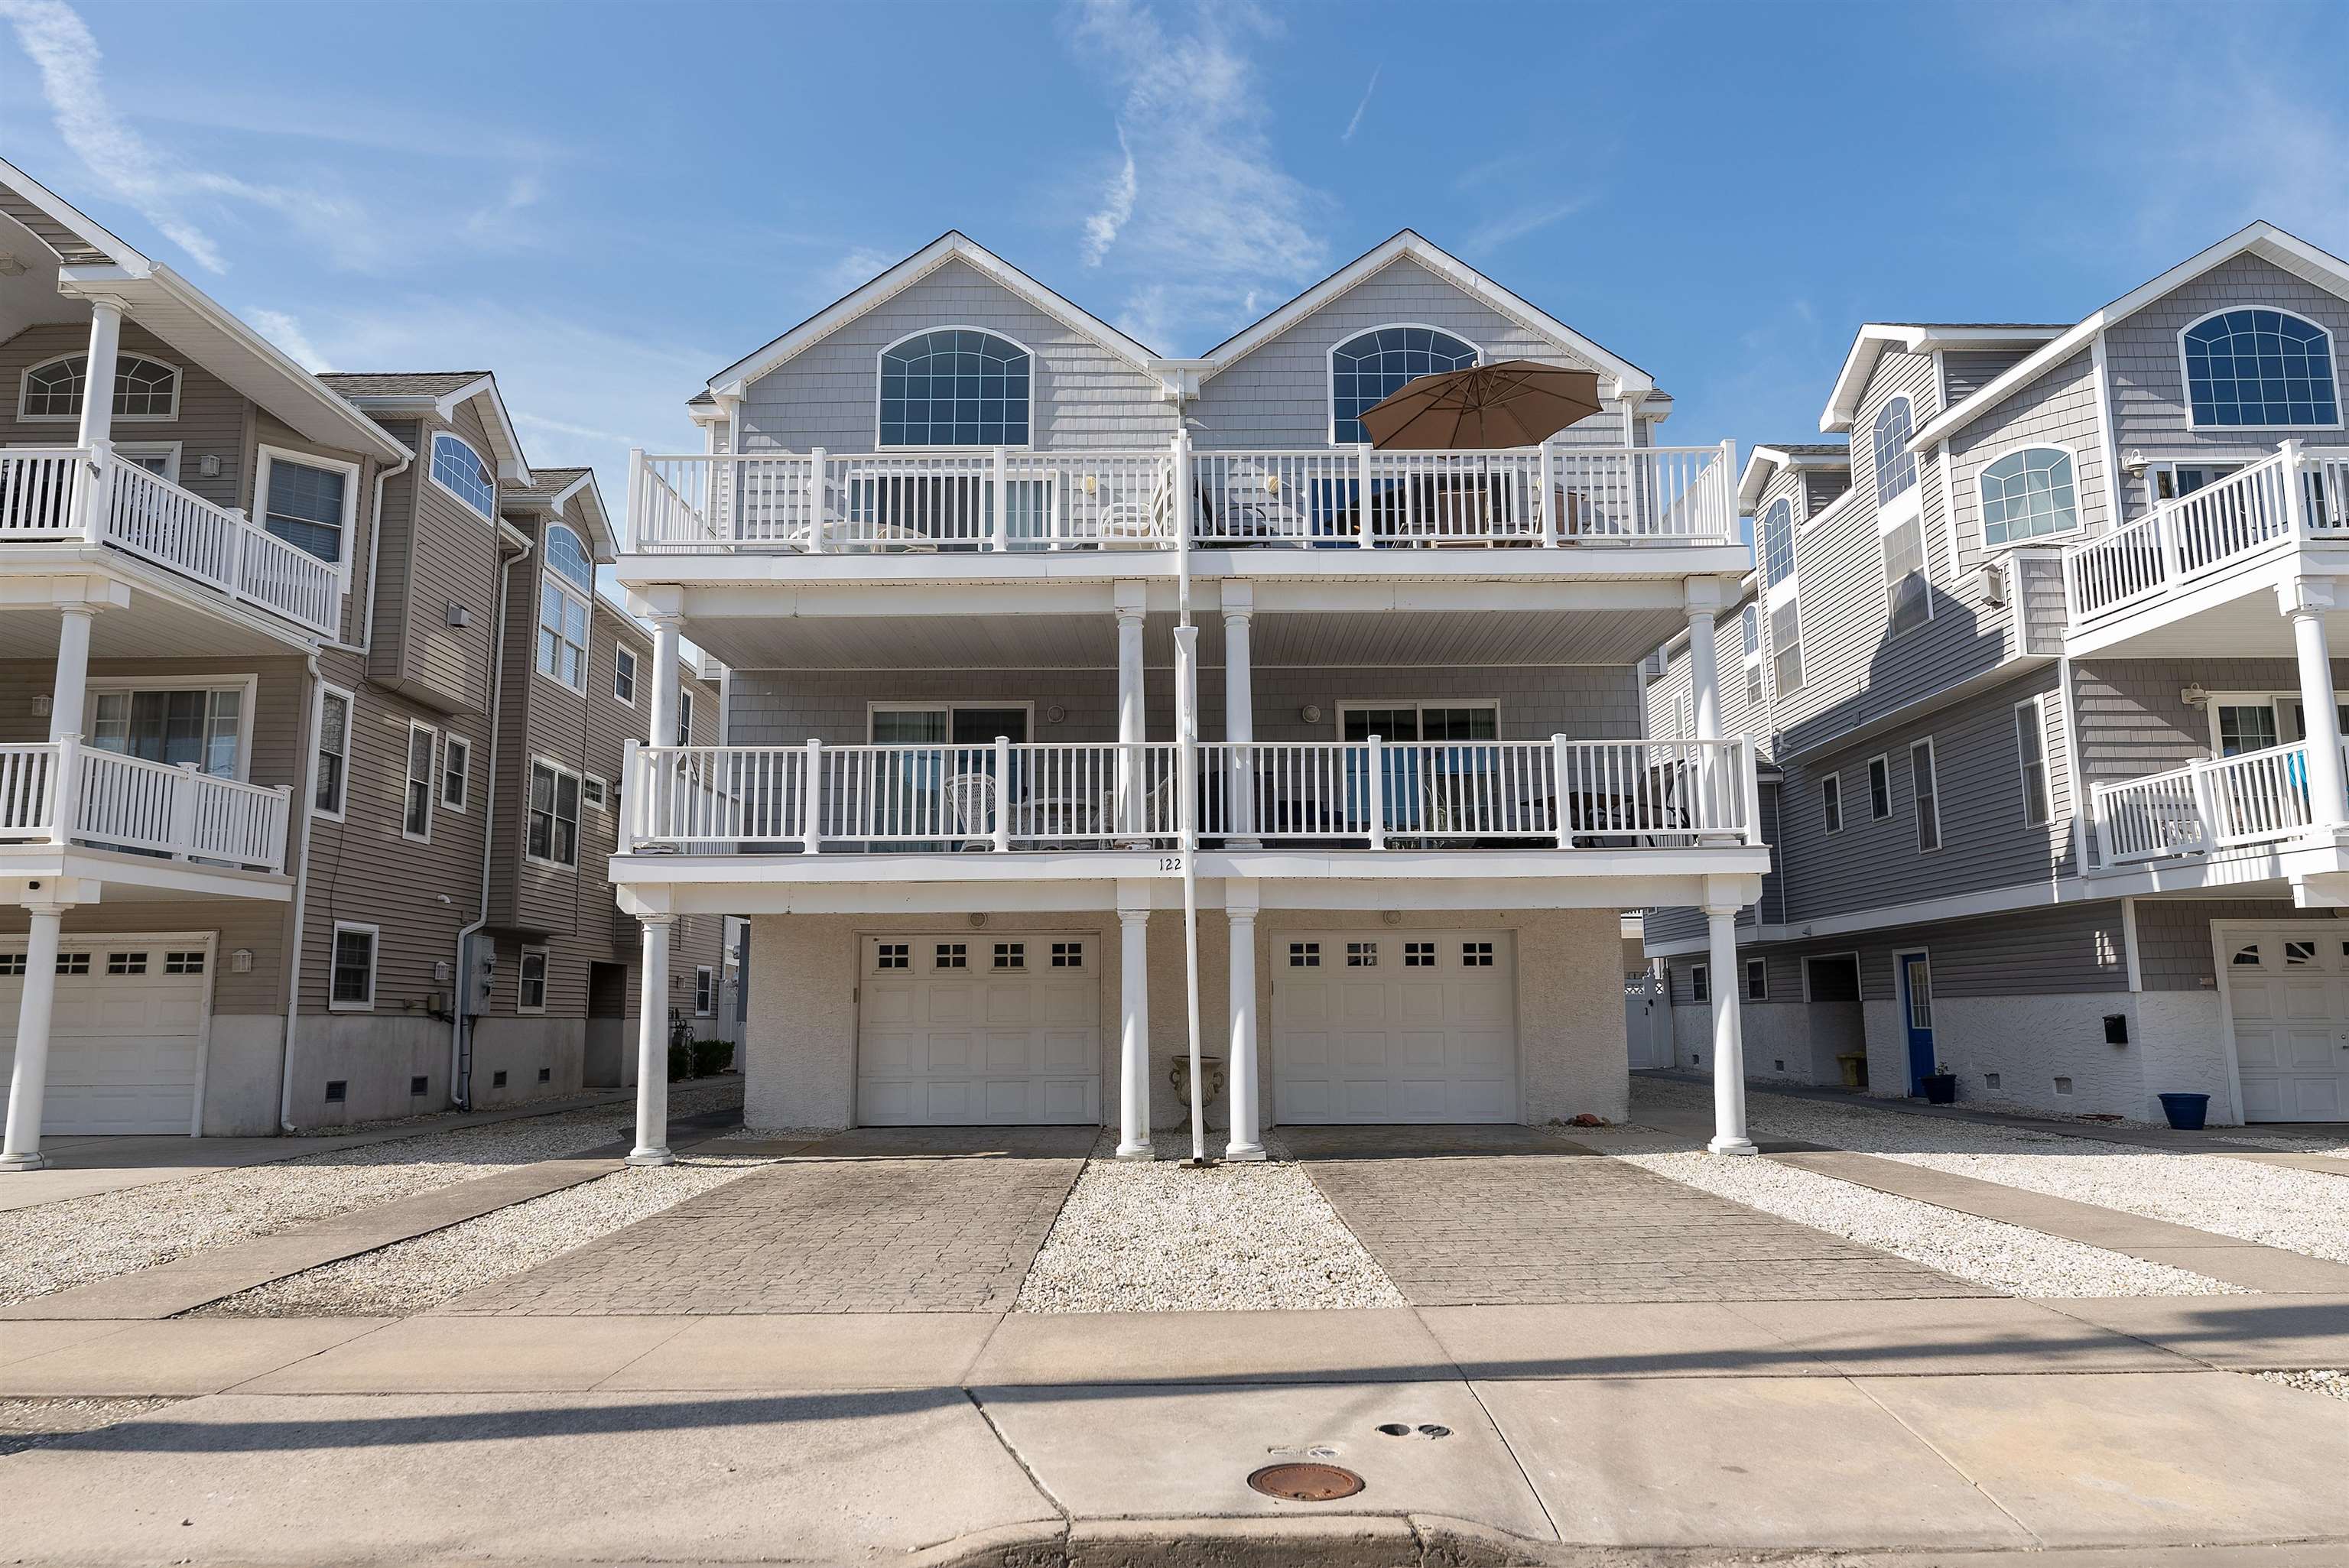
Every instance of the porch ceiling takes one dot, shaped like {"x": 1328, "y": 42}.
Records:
{"x": 154, "y": 626}
{"x": 2245, "y": 627}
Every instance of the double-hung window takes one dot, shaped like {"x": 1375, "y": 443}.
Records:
{"x": 1923, "y": 788}
{"x": 1879, "y": 788}
{"x": 416, "y": 818}
{"x": 1749, "y": 626}
{"x": 1700, "y": 982}
{"x": 564, "y": 585}
{"x": 704, "y": 990}
{"x": 1831, "y": 802}
{"x": 684, "y": 717}
{"x": 350, "y": 986}
{"x": 203, "y": 725}
{"x": 1776, "y": 553}
{"x": 1786, "y": 644}
{"x": 1908, "y": 597}
{"x": 530, "y": 982}
{"x": 456, "y": 771}
{"x": 553, "y": 829}
{"x": 334, "y": 750}
{"x": 2031, "y": 755}
{"x": 623, "y": 677}
{"x": 1757, "y": 980}
{"x": 308, "y": 502}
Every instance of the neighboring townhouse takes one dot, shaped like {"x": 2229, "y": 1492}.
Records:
{"x": 246, "y": 798}
{"x": 1037, "y": 638}
{"x": 2045, "y": 656}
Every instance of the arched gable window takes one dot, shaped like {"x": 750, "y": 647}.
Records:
{"x": 2259, "y": 367}
{"x": 1896, "y": 464}
{"x": 1376, "y": 365}
{"x": 2027, "y": 494}
{"x": 1778, "y": 543}
{"x": 955, "y": 386}
{"x": 460, "y": 471}
{"x": 562, "y": 599}
{"x": 144, "y": 389}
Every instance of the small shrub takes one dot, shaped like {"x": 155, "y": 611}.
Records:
{"x": 713, "y": 1057}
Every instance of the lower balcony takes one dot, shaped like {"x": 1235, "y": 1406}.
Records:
{"x": 70, "y": 810}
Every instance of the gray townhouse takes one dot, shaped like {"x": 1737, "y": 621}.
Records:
{"x": 2041, "y": 641}
{"x": 311, "y": 728}
{"x": 1078, "y": 692}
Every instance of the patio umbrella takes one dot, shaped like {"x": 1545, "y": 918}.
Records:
{"x": 1514, "y": 403}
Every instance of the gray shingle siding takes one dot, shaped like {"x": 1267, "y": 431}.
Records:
{"x": 1965, "y": 372}
{"x": 2174, "y": 945}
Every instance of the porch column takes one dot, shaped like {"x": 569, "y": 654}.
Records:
{"x": 652, "y": 1044}
{"x": 68, "y": 694}
{"x": 1704, "y": 688}
{"x": 1728, "y": 1040}
{"x": 1239, "y": 903}
{"x": 2306, "y": 601}
{"x": 1131, "y": 780}
{"x": 1134, "y": 1032}
{"x": 1240, "y": 712}
{"x": 98, "y": 384}
{"x": 665, "y": 677}
{"x": 29, "y": 1082}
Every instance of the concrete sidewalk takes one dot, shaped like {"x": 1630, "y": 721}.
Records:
{"x": 1542, "y": 1433}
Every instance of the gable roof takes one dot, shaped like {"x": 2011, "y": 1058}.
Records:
{"x": 1917, "y": 338}
{"x": 1763, "y": 462}
{"x": 93, "y": 264}
{"x": 548, "y": 491}
{"x": 2262, "y": 239}
{"x": 950, "y": 246}
{"x": 440, "y": 392}
{"x": 1406, "y": 242}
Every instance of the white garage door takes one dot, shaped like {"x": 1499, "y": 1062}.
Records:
{"x": 1387, "y": 1025}
{"x": 979, "y": 1029}
{"x": 2288, "y": 999}
{"x": 126, "y": 1036}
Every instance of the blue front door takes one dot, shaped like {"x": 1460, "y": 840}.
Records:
{"x": 1917, "y": 1014}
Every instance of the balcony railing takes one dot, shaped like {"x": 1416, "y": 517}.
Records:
{"x": 2293, "y": 497}
{"x": 68, "y": 493}
{"x": 64, "y": 792}
{"x": 1374, "y": 794}
{"x": 1001, "y": 501}
{"x": 2253, "y": 797}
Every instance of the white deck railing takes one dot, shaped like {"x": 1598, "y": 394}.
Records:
{"x": 66, "y": 493}
{"x": 64, "y": 792}
{"x": 2293, "y": 497}
{"x": 2253, "y": 797}
{"x": 1002, "y": 500}
{"x": 1374, "y": 793}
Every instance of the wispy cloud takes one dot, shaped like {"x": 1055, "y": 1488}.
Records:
{"x": 286, "y": 333}
{"x": 1355, "y": 124}
{"x": 1212, "y": 214}
{"x": 60, "y": 47}
{"x": 1507, "y": 227}
{"x": 859, "y": 266}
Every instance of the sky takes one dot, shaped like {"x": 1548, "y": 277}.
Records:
{"x": 608, "y": 203}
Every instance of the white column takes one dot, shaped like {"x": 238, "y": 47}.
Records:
{"x": 1728, "y": 1041}
{"x": 98, "y": 385}
{"x": 1245, "y": 1142}
{"x": 1134, "y": 1033}
{"x": 2328, "y": 798}
{"x": 652, "y": 1048}
{"x": 66, "y": 694}
{"x": 1132, "y": 731}
{"x": 665, "y": 677}
{"x": 1704, "y": 687}
{"x": 1240, "y": 712}
{"x": 30, "y": 1081}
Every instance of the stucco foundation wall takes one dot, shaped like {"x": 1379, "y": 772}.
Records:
{"x": 375, "y": 1057}
{"x": 1777, "y": 1032}
{"x": 1888, "y": 1049}
{"x": 2030, "y": 1041}
{"x": 2183, "y": 1039}
{"x": 520, "y": 1048}
{"x": 242, "y": 1060}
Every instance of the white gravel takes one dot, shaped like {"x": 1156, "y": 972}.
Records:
{"x": 56, "y": 1246}
{"x": 1156, "y": 1237}
{"x": 2317, "y": 1380}
{"x": 2303, "y": 1210}
{"x": 421, "y": 1273}
{"x": 1982, "y": 1252}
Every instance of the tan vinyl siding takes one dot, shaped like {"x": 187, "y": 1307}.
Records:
{"x": 212, "y": 417}
{"x": 266, "y": 431}
{"x": 437, "y": 551}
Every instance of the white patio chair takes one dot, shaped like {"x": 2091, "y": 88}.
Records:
{"x": 971, "y": 798}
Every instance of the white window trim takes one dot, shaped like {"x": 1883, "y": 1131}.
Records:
{"x": 871, "y": 708}
{"x": 444, "y": 486}
{"x": 1419, "y": 707}
{"x": 318, "y": 726}
{"x": 1329, "y": 364}
{"x": 685, "y": 714}
{"x": 602, "y": 802}
{"x": 1915, "y": 802}
{"x": 546, "y": 574}
{"x": 1901, "y": 511}
{"x": 1832, "y": 784}
{"x": 2037, "y": 540}
{"x": 881, "y": 446}
{"x": 449, "y": 743}
{"x": 704, "y": 982}
{"x": 546, "y": 964}
{"x": 375, "y": 964}
{"x": 561, "y": 773}
{"x": 268, "y": 457}
{"x": 2332, "y": 352}
{"x": 167, "y": 450}
{"x": 1700, "y": 979}
{"x": 2023, "y": 768}
{"x": 1745, "y": 980}
{"x": 1794, "y": 527}
{"x": 2268, "y": 699}
{"x": 431, "y": 779}
{"x": 636, "y": 673}
{"x": 25, "y": 387}
{"x": 1788, "y": 594}
{"x": 1875, "y": 470}
{"x": 249, "y": 687}
{"x": 1885, "y": 758}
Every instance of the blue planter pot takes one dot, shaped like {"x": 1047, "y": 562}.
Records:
{"x": 2186, "y": 1113}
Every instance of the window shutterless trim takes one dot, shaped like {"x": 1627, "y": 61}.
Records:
{"x": 432, "y": 467}
{"x": 1756, "y": 968}
{"x": 522, "y": 979}
{"x": 2030, "y": 541}
{"x": 267, "y": 457}
{"x": 374, "y": 967}
{"x": 1329, "y": 362}
{"x": 2332, "y": 357}
{"x": 621, "y": 655}
{"x": 430, "y": 780}
{"x": 880, "y": 372}
{"x": 1921, "y": 798}
{"x": 1831, "y": 803}
{"x": 705, "y": 991}
{"x": 1881, "y": 762}
{"x": 121, "y": 357}
{"x": 555, "y": 815}
{"x": 451, "y": 746}
{"x": 1700, "y": 982}
{"x": 341, "y": 807}
{"x": 2024, "y": 767}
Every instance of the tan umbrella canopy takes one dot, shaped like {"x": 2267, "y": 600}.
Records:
{"x": 1514, "y": 403}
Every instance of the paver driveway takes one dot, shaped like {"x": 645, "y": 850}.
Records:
{"x": 878, "y": 1219}
{"x": 1464, "y": 1216}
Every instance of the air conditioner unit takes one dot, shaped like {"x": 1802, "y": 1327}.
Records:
{"x": 1989, "y": 583}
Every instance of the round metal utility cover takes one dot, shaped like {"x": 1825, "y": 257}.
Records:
{"x": 1306, "y": 1483}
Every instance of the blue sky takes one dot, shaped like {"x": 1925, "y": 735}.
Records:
{"x": 607, "y": 203}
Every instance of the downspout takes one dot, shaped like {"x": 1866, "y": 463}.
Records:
{"x": 307, "y": 804}
{"x": 461, "y": 1034}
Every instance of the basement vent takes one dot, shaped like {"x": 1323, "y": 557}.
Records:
{"x": 1779, "y": 1066}
{"x": 1989, "y": 1081}
{"x": 420, "y": 1084}
{"x": 337, "y": 1091}
{"x": 545, "y": 1075}
{"x": 497, "y": 1080}
{"x": 2062, "y": 1086}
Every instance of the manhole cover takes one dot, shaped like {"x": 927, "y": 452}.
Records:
{"x": 1306, "y": 1483}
